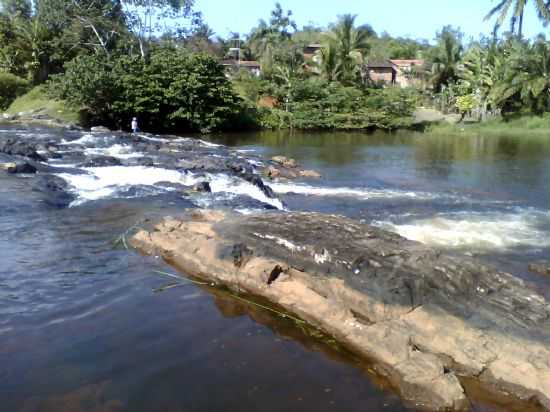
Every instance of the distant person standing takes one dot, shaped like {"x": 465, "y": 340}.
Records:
{"x": 135, "y": 127}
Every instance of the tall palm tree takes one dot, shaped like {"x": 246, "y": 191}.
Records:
{"x": 327, "y": 61}
{"x": 527, "y": 77}
{"x": 518, "y": 8}
{"x": 352, "y": 45}
{"x": 446, "y": 58}
{"x": 482, "y": 68}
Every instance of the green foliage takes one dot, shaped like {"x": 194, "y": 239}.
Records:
{"x": 517, "y": 8}
{"x": 445, "y": 58}
{"x": 174, "y": 90}
{"x": 387, "y": 47}
{"x": 271, "y": 41}
{"x": 16, "y": 8}
{"x": 466, "y": 103}
{"x": 526, "y": 127}
{"x": 10, "y": 88}
{"x": 345, "y": 49}
{"x": 318, "y": 104}
{"x": 525, "y": 83}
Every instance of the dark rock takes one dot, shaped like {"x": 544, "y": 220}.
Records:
{"x": 259, "y": 183}
{"x": 202, "y": 187}
{"x": 145, "y": 161}
{"x": 99, "y": 129}
{"x": 22, "y": 168}
{"x": 15, "y": 147}
{"x": 53, "y": 191}
{"x": 542, "y": 268}
{"x": 102, "y": 161}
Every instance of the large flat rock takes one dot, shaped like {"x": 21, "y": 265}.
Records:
{"x": 426, "y": 318}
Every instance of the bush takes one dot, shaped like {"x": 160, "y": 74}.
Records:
{"x": 318, "y": 104}
{"x": 175, "y": 90}
{"x": 11, "y": 87}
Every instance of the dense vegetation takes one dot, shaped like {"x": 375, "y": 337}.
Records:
{"x": 110, "y": 60}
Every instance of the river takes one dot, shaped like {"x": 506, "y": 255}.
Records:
{"x": 85, "y": 327}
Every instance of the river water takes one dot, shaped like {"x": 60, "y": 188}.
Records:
{"x": 84, "y": 326}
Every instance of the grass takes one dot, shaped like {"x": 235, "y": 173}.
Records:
{"x": 37, "y": 100}
{"x": 528, "y": 126}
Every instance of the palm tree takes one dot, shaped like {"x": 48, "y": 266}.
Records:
{"x": 446, "y": 58}
{"x": 327, "y": 61}
{"x": 518, "y": 8}
{"x": 268, "y": 37}
{"x": 526, "y": 78}
{"x": 482, "y": 68}
{"x": 351, "y": 45}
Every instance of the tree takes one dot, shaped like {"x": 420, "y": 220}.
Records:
{"x": 16, "y": 8}
{"x": 482, "y": 68}
{"x": 518, "y": 8}
{"x": 265, "y": 39}
{"x": 327, "y": 61}
{"x": 445, "y": 58}
{"x": 526, "y": 81}
{"x": 172, "y": 90}
{"x": 146, "y": 18}
{"x": 351, "y": 45}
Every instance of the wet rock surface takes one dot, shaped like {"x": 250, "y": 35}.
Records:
{"x": 286, "y": 168}
{"x": 23, "y": 167}
{"x": 542, "y": 268}
{"x": 428, "y": 319}
{"x": 181, "y": 164}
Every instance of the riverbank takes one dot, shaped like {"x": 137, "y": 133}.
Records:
{"x": 37, "y": 105}
{"x": 526, "y": 127}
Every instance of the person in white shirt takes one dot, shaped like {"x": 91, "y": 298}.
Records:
{"x": 135, "y": 127}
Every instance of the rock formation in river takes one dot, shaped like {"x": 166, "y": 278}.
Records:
{"x": 424, "y": 317}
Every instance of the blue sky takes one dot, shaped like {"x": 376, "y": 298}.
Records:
{"x": 412, "y": 18}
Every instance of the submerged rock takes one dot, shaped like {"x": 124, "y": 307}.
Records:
{"x": 16, "y": 147}
{"x": 145, "y": 161}
{"x": 542, "y": 268}
{"x": 53, "y": 191}
{"x": 202, "y": 187}
{"x": 285, "y": 161}
{"x": 16, "y": 168}
{"x": 286, "y": 168}
{"x": 102, "y": 161}
{"x": 426, "y": 318}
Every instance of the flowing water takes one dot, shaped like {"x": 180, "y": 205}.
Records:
{"x": 84, "y": 327}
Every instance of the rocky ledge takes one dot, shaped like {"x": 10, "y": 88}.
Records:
{"x": 426, "y": 319}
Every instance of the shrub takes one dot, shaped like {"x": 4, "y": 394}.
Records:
{"x": 318, "y": 104}
{"x": 174, "y": 90}
{"x": 11, "y": 87}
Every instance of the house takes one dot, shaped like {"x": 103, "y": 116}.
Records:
{"x": 311, "y": 50}
{"x": 407, "y": 71}
{"x": 382, "y": 71}
{"x": 401, "y": 72}
{"x": 251, "y": 66}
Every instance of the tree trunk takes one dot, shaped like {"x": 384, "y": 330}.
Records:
{"x": 520, "y": 28}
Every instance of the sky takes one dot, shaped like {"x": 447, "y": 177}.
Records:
{"x": 418, "y": 19}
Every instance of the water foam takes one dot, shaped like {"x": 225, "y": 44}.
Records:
{"x": 103, "y": 182}
{"x": 521, "y": 227}
{"x": 225, "y": 183}
{"x": 303, "y": 189}
{"x": 86, "y": 139}
{"x": 117, "y": 150}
